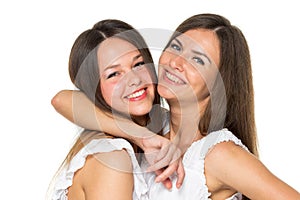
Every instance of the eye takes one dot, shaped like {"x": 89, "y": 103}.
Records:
{"x": 113, "y": 74}
{"x": 175, "y": 47}
{"x": 139, "y": 65}
{"x": 198, "y": 60}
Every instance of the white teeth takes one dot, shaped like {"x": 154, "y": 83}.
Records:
{"x": 173, "y": 78}
{"x": 136, "y": 94}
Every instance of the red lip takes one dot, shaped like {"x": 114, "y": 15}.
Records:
{"x": 138, "y": 98}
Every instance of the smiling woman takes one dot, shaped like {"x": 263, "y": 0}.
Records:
{"x": 126, "y": 82}
{"x": 113, "y": 66}
{"x": 205, "y": 75}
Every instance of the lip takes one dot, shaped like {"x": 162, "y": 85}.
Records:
{"x": 172, "y": 78}
{"x": 137, "y": 95}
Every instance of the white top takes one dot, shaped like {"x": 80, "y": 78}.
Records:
{"x": 194, "y": 184}
{"x": 65, "y": 177}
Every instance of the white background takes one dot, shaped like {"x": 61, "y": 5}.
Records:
{"x": 36, "y": 38}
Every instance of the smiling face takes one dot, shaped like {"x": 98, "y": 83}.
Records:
{"x": 188, "y": 66}
{"x": 126, "y": 83}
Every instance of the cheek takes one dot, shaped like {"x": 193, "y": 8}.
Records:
{"x": 147, "y": 75}
{"x": 164, "y": 58}
{"x": 202, "y": 83}
{"x": 107, "y": 92}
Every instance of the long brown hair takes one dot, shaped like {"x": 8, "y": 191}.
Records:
{"x": 84, "y": 72}
{"x": 235, "y": 109}
{"x": 83, "y": 63}
{"x": 236, "y": 73}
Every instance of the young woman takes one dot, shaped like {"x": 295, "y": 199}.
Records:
{"x": 207, "y": 65}
{"x": 112, "y": 65}
{"x": 211, "y": 56}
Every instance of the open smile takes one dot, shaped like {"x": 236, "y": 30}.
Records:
{"x": 172, "y": 78}
{"x": 137, "y": 95}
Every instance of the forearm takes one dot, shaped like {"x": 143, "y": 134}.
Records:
{"x": 77, "y": 108}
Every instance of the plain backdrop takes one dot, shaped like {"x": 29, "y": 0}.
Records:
{"x": 36, "y": 38}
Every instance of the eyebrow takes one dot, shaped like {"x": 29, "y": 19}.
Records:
{"x": 118, "y": 65}
{"x": 194, "y": 51}
{"x": 202, "y": 54}
{"x": 136, "y": 57}
{"x": 178, "y": 41}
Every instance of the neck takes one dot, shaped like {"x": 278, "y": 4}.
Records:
{"x": 140, "y": 120}
{"x": 184, "y": 122}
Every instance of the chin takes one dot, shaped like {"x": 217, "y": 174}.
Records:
{"x": 165, "y": 92}
{"x": 140, "y": 111}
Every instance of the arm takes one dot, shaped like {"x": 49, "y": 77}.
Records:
{"x": 112, "y": 180}
{"x": 243, "y": 172}
{"x": 77, "y": 108}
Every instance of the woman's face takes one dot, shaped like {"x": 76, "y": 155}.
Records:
{"x": 188, "y": 66}
{"x": 126, "y": 83}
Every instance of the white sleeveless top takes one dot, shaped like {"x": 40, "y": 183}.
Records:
{"x": 65, "y": 178}
{"x": 194, "y": 184}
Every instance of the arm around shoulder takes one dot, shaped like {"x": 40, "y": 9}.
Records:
{"x": 62, "y": 103}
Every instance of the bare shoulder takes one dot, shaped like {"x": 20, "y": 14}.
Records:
{"x": 223, "y": 158}
{"x": 231, "y": 166}
{"x": 115, "y": 160}
{"x": 108, "y": 176}
{"x": 226, "y": 150}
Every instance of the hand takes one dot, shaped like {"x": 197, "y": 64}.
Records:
{"x": 164, "y": 158}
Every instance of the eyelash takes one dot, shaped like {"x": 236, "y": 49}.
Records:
{"x": 175, "y": 47}
{"x": 198, "y": 60}
{"x": 112, "y": 75}
{"x": 135, "y": 67}
{"x": 139, "y": 64}
{"x": 178, "y": 48}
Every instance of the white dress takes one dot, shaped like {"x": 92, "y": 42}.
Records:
{"x": 194, "y": 184}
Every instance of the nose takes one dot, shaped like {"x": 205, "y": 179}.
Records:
{"x": 177, "y": 62}
{"x": 133, "y": 79}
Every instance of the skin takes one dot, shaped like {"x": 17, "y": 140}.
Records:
{"x": 240, "y": 170}
{"x": 109, "y": 175}
{"x": 127, "y": 76}
{"x": 97, "y": 180}
{"x": 160, "y": 151}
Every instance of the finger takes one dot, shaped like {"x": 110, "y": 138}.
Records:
{"x": 159, "y": 165}
{"x": 167, "y": 172}
{"x": 180, "y": 175}
{"x": 165, "y": 161}
{"x": 167, "y": 183}
{"x": 158, "y": 172}
{"x": 164, "y": 151}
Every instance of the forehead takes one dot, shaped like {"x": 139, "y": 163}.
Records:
{"x": 206, "y": 40}
{"x": 112, "y": 49}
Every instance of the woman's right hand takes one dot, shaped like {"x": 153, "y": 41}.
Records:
{"x": 163, "y": 155}
{"x": 164, "y": 158}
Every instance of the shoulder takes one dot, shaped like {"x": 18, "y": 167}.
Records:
{"x": 114, "y": 161}
{"x": 231, "y": 166}
{"x": 225, "y": 151}
{"x": 105, "y": 173}
{"x": 224, "y": 165}
{"x": 118, "y": 160}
